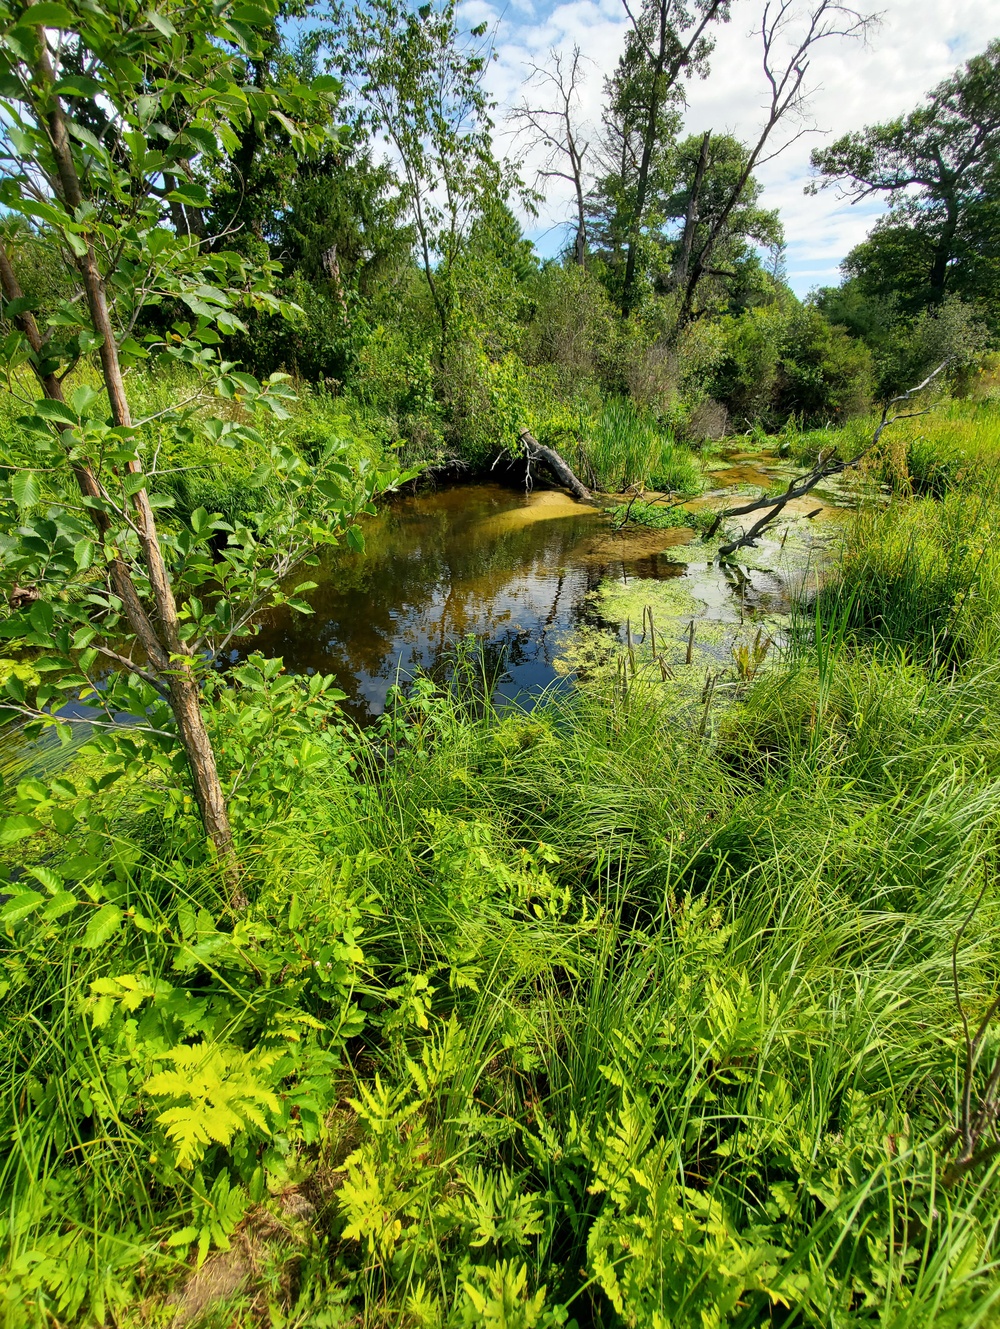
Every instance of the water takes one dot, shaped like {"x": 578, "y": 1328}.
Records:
{"x": 511, "y": 568}
{"x": 516, "y": 570}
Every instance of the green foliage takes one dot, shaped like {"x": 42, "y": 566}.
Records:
{"x": 937, "y": 168}
{"x": 623, "y": 446}
{"x": 655, "y": 516}
{"x": 787, "y": 360}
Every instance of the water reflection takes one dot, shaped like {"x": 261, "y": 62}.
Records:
{"x": 512, "y": 568}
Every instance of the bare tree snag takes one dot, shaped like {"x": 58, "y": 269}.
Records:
{"x": 825, "y": 469}
{"x": 785, "y": 76}
{"x": 536, "y": 451}
{"x": 555, "y": 130}
{"x": 668, "y": 55}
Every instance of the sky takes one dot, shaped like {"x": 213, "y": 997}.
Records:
{"x": 914, "y": 46}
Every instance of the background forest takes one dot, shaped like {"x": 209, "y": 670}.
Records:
{"x": 670, "y": 1001}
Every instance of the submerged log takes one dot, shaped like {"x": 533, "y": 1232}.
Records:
{"x": 536, "y": 451}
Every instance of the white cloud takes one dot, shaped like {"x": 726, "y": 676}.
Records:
{"x": 918, "y": 43}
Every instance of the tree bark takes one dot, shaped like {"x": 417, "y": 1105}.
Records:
{"x": 682, "y": 267}
{"x": 943, "y": 251}
{"x": 167, "y": 653}
{"x": 664, "y": 78}
{"x": 536, "y": 451}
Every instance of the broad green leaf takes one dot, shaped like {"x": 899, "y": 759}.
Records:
{"x": 59, "y": 411}
{"x": 17, "y": 828}
{"x": 161, "y": 23}
{"x": 194, "y": 195}
{"x": 78, "y": 85}
{"x": 25, "y": 489}
{"x": 20, "y": 906}
{"x": 42, "y": 617}
{"x": 47, "y": 14}
{"x": 103, "y": 926}
{"x": 61, "y": 903}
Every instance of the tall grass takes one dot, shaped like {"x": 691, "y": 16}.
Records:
{"x": 625, "y": 447}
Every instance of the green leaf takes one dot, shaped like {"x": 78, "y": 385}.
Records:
{"x": 56, "y": 410}
{"x": 196, "y": 196}
{"x": 78, "y": 85}
{"x": 161, "y": 23}
{"x": 102, "y": 926}
{"x": 42, "y": 618}
{"x": 83, "y": 398}
{"x": 25, "y": 489}
{"x": 13, "y": 829}
{"x": 20, "y": 906}
{"x": 47, "y": 14}
{"x": 61, "y": 903}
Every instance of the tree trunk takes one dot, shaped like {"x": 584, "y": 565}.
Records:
{"x": 682, "y": 267}
{"x": 943, "y": 251}
{"x": 168, "y": 655}
{"x": 536, "y": 451}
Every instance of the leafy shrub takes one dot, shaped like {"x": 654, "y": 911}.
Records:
{"x": 784, "y": 360}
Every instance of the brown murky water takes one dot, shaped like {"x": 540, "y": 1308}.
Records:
{"x": 514, "y": 570}
{"x": 511, "y": 568}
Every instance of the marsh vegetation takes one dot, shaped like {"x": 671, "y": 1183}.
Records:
{"x": 428, "y": 900}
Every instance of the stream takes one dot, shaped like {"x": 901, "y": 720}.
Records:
{"x": 521, "y": 571}
{"x": 528, "y": 575}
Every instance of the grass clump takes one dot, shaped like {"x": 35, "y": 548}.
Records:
{"x": 623, "y": 447}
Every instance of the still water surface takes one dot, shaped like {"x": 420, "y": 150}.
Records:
{"x": 510, "y": 567}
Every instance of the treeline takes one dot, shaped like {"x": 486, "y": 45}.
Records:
{"x": 424, "y": 308}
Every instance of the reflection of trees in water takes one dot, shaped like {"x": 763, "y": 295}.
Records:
{"x": 439, "y": 568}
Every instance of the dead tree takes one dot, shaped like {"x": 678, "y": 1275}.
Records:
{"x": 785, "y": 68}
{"x": 826, "y": 467}
{"x": 535, "y": 451}
{"x": 555, "y": 130}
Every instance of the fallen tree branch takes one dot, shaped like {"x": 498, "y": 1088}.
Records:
{"x": 825, "y": 469}
{"x": 536, "y": 451}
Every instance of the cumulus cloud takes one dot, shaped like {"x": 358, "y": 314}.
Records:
{"x": 916, "y": 44}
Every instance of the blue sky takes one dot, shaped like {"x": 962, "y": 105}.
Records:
{"x": 916, "y": 44}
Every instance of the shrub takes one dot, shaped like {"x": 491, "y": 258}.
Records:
{"x": 785, "y": 360}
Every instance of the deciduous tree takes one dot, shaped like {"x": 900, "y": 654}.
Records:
{"x": 104, "y": 104}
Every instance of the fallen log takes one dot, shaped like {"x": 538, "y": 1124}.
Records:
{"x": 536, "y": 451}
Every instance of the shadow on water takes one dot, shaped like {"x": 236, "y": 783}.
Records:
{"x": 511, "y": 568}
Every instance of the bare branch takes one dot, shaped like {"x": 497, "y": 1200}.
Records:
{"x": 824, "y": 469}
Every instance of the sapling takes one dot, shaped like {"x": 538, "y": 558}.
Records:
{"x": 113, "y": 115}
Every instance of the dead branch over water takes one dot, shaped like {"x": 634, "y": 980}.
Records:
{"x": 825, "y": 469}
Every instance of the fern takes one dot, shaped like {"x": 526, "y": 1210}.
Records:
{"x": 216, "y": 1092}
{"x": 217, "y": 1214}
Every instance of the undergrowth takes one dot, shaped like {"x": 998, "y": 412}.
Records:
{"x": 586, "y": 1015}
